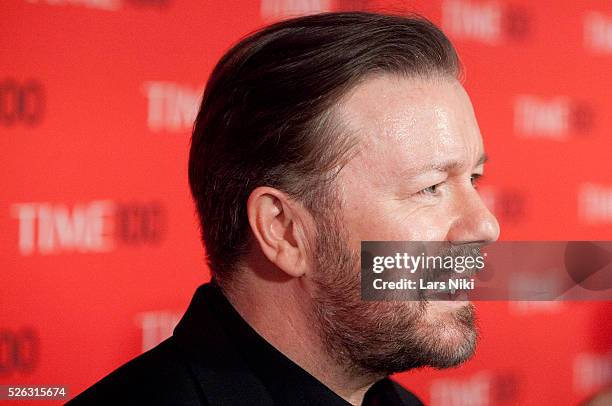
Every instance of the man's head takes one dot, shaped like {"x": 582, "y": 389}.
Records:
{"x": 319, "y": 132}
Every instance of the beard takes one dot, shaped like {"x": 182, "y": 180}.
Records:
{"x": 380, "y": 338}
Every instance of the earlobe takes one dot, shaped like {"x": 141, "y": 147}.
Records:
{"x": 273, "y": 220}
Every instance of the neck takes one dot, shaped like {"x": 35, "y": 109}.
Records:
{"x": 279, "y": 310}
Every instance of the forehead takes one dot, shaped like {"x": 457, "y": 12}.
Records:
{"x": 411, "y": 120}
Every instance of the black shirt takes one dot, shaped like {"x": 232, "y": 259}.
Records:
{"x": 215, "y": 358}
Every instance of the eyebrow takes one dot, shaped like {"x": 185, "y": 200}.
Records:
{"x": 483, "y": 159}
{"x": 445, "y": 166}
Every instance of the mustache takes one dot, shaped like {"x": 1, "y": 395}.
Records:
{"x": 451, "y": 252}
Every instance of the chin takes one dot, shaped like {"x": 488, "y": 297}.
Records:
{"x": 451, "y": 333}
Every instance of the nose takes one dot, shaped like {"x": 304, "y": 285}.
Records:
{"x": 474, "y": 222}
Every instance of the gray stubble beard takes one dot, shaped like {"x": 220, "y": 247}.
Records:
{"x": 379, "y": 338}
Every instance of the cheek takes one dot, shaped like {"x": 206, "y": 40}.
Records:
{"x": 428, "y": 226}
{"x": 378, "y": 221}
{"x": 373, "y": 221}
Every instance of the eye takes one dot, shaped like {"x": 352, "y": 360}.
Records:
{"x": 431, "y": 190}
{"x": 475, "y": 178}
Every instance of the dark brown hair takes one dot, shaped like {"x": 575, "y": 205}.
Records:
{"x": 266, "y": 116}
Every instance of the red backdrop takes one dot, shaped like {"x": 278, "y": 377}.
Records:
{"x": 99, "y": 247}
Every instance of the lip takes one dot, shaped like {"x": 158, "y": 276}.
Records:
{"x": 447, "y": 295}
{"x": 457, "y": 302}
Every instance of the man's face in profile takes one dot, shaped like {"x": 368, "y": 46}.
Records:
{"x": 412, "y": 178}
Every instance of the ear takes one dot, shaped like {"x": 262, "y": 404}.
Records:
{"x": 278, "y": 225}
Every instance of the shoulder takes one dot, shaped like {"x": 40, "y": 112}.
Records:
{"x": 160, "y": 376}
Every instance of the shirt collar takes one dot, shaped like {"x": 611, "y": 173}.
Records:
{"x": 233, "y": 362}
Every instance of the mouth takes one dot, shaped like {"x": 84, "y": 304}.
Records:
{"x": 453, "y": 295}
